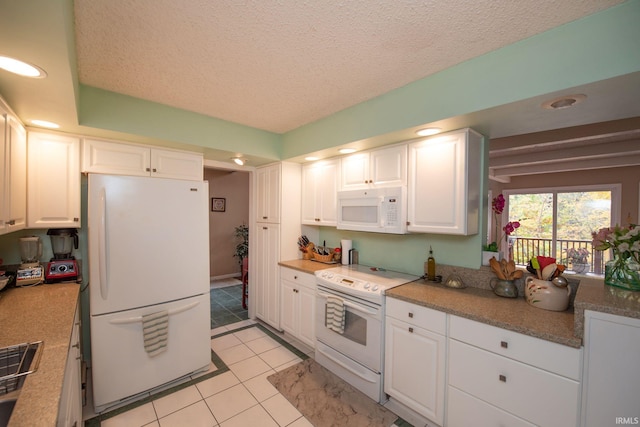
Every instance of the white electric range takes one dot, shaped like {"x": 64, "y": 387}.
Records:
{"x": 357, "y": 353}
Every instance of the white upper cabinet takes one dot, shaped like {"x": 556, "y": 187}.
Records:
{"x": 268, "y": 194}
{"x": 13, "y": 173}
{"x": 386, "y": 167}
{"x": 3, "y": 187}
{"x": 319, "y": 192}
{"x": 16, "y": 176}
{"x": 53, "y": 181}
{"x": 444, "y": 183}
{"x": 140, "y": 160}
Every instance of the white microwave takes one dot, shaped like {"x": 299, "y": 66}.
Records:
{"x": 377, "y": 210}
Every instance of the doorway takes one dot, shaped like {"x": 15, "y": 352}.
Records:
{"x": 229, "y": 194}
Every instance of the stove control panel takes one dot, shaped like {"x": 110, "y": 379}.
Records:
{"x": 338, "y": 279}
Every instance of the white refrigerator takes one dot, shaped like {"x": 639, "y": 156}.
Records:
{"x": 149, "y": 284}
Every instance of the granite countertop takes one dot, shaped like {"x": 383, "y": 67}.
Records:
{"x": 513, "y": 314}
{"x": 306, "y": 266}
{"x": 39, "y": 313}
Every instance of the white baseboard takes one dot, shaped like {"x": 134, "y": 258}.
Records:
{"x": 225, "y": 276}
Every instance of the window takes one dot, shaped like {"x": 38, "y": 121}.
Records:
{"x": 558, "y": 222}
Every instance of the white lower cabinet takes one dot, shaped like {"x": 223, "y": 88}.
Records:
{"x": 298, "y": 305}
{"x": 70, "y": 410}
{"x": 415, "y": 358}
{"x": 533, "y": 380}
{"x": 611, "y": 385}
{"x": 477, "y": 413}
{"x": 267, "y": 284}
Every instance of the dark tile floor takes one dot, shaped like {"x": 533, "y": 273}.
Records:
{"x": 226, "y": 306}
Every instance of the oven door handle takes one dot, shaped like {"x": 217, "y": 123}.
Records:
{"x": 367, "y": 310}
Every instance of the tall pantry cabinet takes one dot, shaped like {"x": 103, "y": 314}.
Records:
{"x": 277, "y": 228}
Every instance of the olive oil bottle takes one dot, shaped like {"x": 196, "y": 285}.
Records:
{"x": 431, "y": 266}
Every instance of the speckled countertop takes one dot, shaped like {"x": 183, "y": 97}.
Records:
{"x": 478, "y": 302}
{"x": 306, "y": 266}
{"x": 484, "y": 306}
{"x": 45, "y": 313}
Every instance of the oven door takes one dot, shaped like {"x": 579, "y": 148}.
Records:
{"x": 362, "y": 337}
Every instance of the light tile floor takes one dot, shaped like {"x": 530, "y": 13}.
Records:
{"x": 242, "y": 396}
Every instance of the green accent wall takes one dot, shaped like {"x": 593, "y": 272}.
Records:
{"x": 109, "y": 110}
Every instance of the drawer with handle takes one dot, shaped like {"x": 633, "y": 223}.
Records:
{"x": 537, "y": 396}
{"x": 547, "y": 355}
{"x": 427, "y": 318}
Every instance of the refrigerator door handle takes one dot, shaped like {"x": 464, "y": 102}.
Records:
{"x": 102, "y": 245}
{"x": 139, "y": 318}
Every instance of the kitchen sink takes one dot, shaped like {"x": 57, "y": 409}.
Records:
{"x": 16, "y": 362}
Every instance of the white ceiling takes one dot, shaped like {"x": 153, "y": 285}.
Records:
{"x": 279, "y": 65}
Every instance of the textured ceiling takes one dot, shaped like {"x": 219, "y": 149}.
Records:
{"x": 277, "y": 65}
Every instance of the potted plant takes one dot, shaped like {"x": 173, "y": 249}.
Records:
{"x": 578, "y": 259}
{"x": 492, "y": 249}
{"x": 242, "y": 249}
{"x": 623, "y": 270}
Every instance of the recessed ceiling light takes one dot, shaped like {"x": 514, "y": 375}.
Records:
{"x": 428, "y": 131}
{"x": 563, "y": 102}
{"x": 21, "y": 68}
{"x": 347, "y": 150}
{"x": 45, "y": 124}
{"x": 238, "y": 161}
{"x": 311, "y": 158}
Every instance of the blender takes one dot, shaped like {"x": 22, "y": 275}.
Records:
{"x": 30, "y": 271}
{"x": 63, "y": 265}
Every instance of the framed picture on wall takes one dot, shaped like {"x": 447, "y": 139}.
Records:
{"x": 218, "y": 204}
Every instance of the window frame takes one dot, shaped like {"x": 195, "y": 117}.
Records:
{"x": 616, "y": 202}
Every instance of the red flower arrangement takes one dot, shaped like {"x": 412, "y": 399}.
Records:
{"x": 497, "y": 206}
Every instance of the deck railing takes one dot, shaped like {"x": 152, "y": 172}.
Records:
{"x": 523, "y": 248}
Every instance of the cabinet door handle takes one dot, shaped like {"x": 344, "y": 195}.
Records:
{"x": 155, "y": 170}
{"x": 504, "y": 344}
{"x": 11, "y": 222}
{"x": 265, "y": 228}
{"x": 76, "y": 345}
{"x": 295, "y": 277}
{"x": 502, "y": 378}
{"x": 264, "y": 217}
{"x": 148, "y": 169}
{"x": 76, "y": 219}
{"x": 411, "y": 315}
{"x": 411, "y": 330}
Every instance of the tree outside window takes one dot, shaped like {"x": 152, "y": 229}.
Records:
{"x": 559, "y": 222}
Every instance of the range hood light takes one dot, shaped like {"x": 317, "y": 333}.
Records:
{"x": 238, "y": 161}
{"x": 45, "y": 124}
{"x": 21, "y": 68}
{"x": 428, "y": 131}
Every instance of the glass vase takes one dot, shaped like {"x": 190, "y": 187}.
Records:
{"x": 623, "y": 274}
